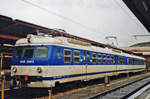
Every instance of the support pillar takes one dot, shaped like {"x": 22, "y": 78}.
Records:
{"x": 3, "y": 86}
{"x": 107, "y": 81}
{"x": 50, "y": 94}
{"x": 1, "y": 61}
{"x": 128, "y": 76}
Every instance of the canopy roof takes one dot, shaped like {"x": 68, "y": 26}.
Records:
{"x": 141, "y": 9}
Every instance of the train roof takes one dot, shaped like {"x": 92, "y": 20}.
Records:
{"x": 68, "y": 42}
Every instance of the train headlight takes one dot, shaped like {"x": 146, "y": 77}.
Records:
{"x": 14, "y": 69}
{"x": 39, "y": 69}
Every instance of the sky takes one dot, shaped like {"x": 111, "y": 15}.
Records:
{"x": 90, "y": 19}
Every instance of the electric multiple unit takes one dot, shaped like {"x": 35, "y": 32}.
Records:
{"x": 43, "y": 61}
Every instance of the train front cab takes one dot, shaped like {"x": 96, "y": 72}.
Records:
{"x": 28, "y": 63}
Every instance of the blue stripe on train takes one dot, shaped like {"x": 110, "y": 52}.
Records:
{"x": 53, "y": 59}
{"x": 84, "y": 74}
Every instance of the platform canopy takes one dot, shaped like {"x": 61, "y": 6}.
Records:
{"x": 141, "y": 9}
{"x": 12, "y": 30}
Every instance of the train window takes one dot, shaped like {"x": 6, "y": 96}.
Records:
{"x": 94, "y": 58}
{"x": 127, "y": 60}
{"x": 67, "y": 56}
{"x": 120, "y": 60}
{"x": 144, "y": 62}
{"x": 116, "y": 59}
{"x": 123, "y": 60}
{"x": 58, "y": 52}
{"x": 108, "y": 59}
{"x": 18, "y": 52}
{"x": 88, "y": 57}
{"x": 84, "y": 58}
{"x": 28, "y": 52}
{"x": 104, "y": 59}
{"x": 137, "y": 62}
{"x": 130, "y": 61}
{"x": 99, "y": 58}
{"x": 76, "y": 57}
{"x": 134, "y": 62}
{"x": 141, "y": 62}
{"x": 41, "y": 52}
{"x": 111, "y": 59}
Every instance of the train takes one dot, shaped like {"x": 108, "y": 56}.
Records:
{"x": 43, "y": 61}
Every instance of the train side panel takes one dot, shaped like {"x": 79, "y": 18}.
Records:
{"x": 64, "y": 64}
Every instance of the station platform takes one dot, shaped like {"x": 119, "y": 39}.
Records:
{"x": 144, "y": 93}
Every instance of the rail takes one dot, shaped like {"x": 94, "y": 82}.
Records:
{"x": 123, "y": 91}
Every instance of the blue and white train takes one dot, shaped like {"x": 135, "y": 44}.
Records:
{"x": 43, "y": 61}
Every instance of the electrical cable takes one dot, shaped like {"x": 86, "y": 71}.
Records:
{"x": 66, "y": 18}
{"x": 132, "y": 19}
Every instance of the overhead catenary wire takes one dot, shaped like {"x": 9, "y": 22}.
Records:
{"x": 125, "y": 11}
{"x": 78, "y": 23}
{"x": 61, "y": 16}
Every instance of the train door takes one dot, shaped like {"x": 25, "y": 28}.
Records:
{"x": 115, "y": 63}
{"x": 84, "y": 66}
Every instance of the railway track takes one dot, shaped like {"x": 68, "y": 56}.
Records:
{"x": 75, "y": 89}
{"x": 16, "y": 93}
{"x": 123, "y": 91}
